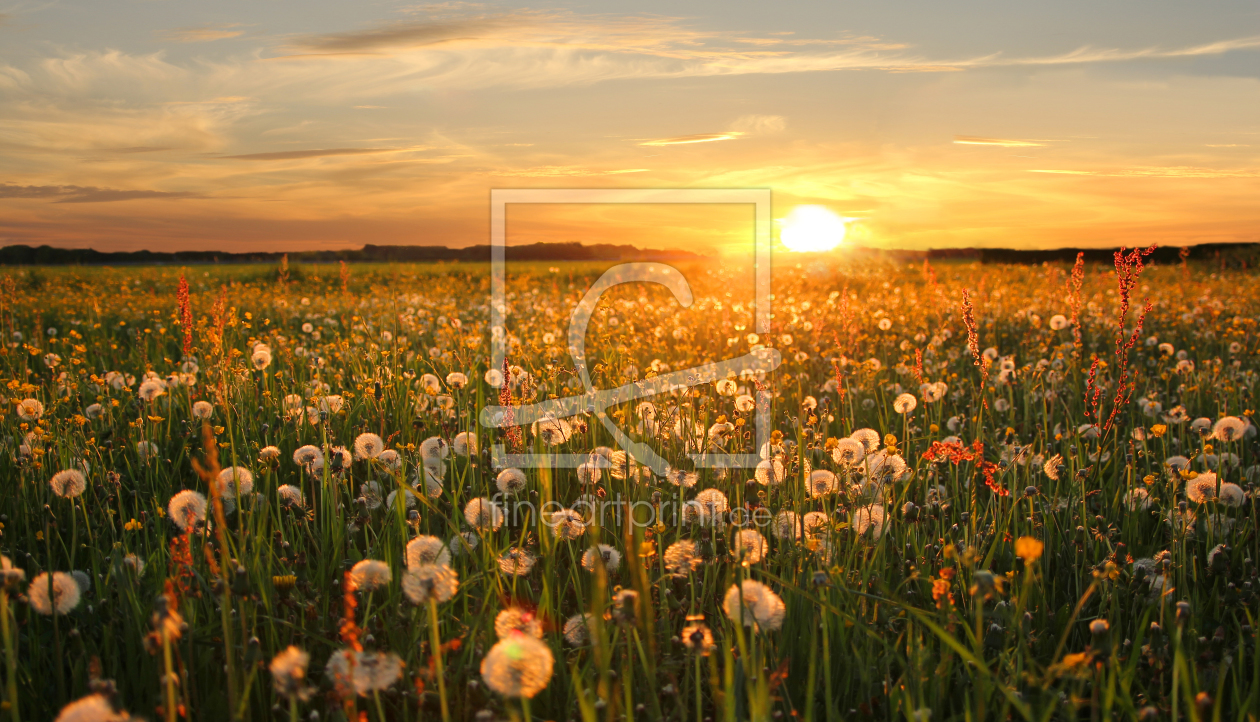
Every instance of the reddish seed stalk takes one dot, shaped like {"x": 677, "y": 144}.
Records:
{"x": 973, "y": 334}
{"x": 973, "y": 341}
{"x": 505, "y": 400}
{"x": 1074, "y": 298}
{"x": 185, "y": 313}
{"x": 1129, "y": 267}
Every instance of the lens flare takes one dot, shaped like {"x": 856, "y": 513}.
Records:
{"x": 812, "y": 229}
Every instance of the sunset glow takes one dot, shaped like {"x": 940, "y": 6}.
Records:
{"x": 323, "y": 125}
{"x": 812, "y": 228}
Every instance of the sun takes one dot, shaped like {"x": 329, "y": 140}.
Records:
{"x": 812, "y": 229}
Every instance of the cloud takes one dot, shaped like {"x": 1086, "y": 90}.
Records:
{"x": 1167, "y": 172}
{"x": 553, "y": 48}
{"x": 203, "y": 33}
{"x": 86, "y": 194}
{"x": 299, "y": 154}
{"x": 558, "y": 171}
{"x": 759, "y": 124}
{"x": 414, "y": 34}
{"x": 743, "y": 126}
{"x": 688, "y": 139}
{"x": 141, "y": 149}
{"x": 1003, "y": 142}
{"x": 1111, "y": 55}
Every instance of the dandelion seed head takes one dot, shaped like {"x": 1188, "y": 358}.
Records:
{"x": 363, "y": 672}
{"x": 567, "y": 524}
{"x": 698, "y": 639}
{"x": 516, "y": 619}
{"x": 579, "y": 629}
{"x": 683, "y": 557}
{"x": 754, "y": 604}
{"x": 869, "y": 439}
{"x": 465, "y": 443}
{"x": 391, "y": 459}
{"x": 1232, "y": 494}
{"x": 821, "y": 483}
{"x": 905, "y": 403}
{"x": 68, "y": 483}
{"x": 463, "y": 543}
{"x": 483, "y": 514}
{"x": 519, "y": 666}
{"x": 707, "y": 508}
{"x": 187, "y": 509}
{"x": 516, "y": 562}
{"x": 553, "y": 432}
{"x": 1229, "y": 428}
{"x": 368, "y": 446}
{"x": 290, "y": 496}
{"x": 682, "y": 478}
{"x": 749, "y": 547}
{"x": 848, "y": 452}
{"x": 1202, "y": 488}
{"x": 30, "y": 409}
{"x": 510, "y": 480}
{"x": 430, "y": 582}
{"x": 434, "y": 448}
{"x": 260, "y": 359}
{"x": 288, "y": 674}
{"x": 425, "y": 550}
{"x": 202, "y": 410}
{"x": 609, "y": 555}
{"x": 370, "y": 574}
{"x": 770, "y": 472}
{"x": 308, "y": 457}
{"x": 234, "y": 481}
{"x": 150, "y": 389}
{"x": 92, "y": 708}
{"x": 786, "y": 526}
{"x": 146, "y": 450}
{"x": 869, "y": 518}
{"x": 62, "y": 598}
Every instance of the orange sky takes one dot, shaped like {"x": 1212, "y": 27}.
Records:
{"x": 288, "y": 126}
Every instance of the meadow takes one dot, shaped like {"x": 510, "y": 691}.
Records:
{"x": 992, "y": 492}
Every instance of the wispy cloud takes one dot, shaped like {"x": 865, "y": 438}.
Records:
{"x": 564, "y": 171}
{"x": 759, "y": 124}
{"x": 417, "y": 34}
{"x": 1167, "y": 172}
{"x": 1111, "y": 55}
{"x": 688, "y": 139}
{"x": 1003, "y": 142}
{"x": 203, "y": 33}
{"x": 548, "y": 48}
{"x": 300, "y": 154}
{"x": 86, "y": 194}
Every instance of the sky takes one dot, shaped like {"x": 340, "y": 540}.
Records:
{"x": 312, "y": 124}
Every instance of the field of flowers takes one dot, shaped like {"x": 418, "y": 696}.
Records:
{"x": 991, "y": 492}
